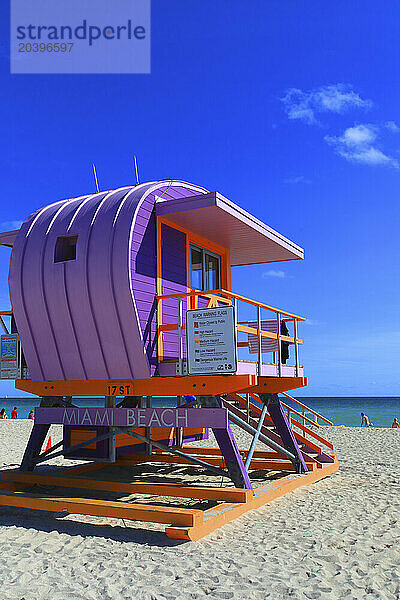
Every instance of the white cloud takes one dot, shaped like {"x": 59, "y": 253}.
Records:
{"x": 274, "y": 273}
{"x": 392, "y": 126}
{"x": 298, "y": 179}
{"x": 357, "y": 144}
{"x": 10, "y": 225}
{"x": 337, "y": 98}
{"x": 312, "y": 322}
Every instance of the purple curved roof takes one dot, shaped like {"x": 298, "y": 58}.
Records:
{"x": 79, "y": 319}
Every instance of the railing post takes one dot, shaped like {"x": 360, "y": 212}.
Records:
{"x": 149, "y": 430}
{"x": 259, "y": 340}
{"x": 278, "y": 334}
{"x": 296, "y": 348}
{"x": 180, "y": 337}
{"x": 248, "y": 406}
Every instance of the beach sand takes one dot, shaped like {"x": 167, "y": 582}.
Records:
{"x": 335, "y": 539}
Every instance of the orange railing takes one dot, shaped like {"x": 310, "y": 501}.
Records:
{"x": 216, "y": 297}
{"x": 304, "y": 409}
{"x": 251, "y": 403}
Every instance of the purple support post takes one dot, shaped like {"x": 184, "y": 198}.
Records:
{"x": 40, "y": 431}
{"x": 35, "y": 443}
{"x": 227, "y": 445}
{"x": 284, "y": 429}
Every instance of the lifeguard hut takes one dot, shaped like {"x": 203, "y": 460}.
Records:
{"x": 126, "y": 295}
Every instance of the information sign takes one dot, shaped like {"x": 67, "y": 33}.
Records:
{"x": 211, "y": 341}
{"x": 9, "y": 366}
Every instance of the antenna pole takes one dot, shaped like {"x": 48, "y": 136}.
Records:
{"x": 95, "y": 177}
{"x": 137, "y": 176}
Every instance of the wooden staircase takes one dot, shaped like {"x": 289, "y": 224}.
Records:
{"x": 313, "y": 446}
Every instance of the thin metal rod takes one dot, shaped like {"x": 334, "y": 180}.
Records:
{"x": 263, "y": 438}
{"x": 95, "y": 177}
{"x": 255, "y": 438}
{"x": 259, "y": 341}
{"x": 136, "y": 171}
{"x": 3, "y": 325}
{"x": 149, "y": 430}
{"x": 278, "y": 334}
{"x": 179, "y": 430}
{"x": 188, "y": 457}
{"x": 94, "y": 440}
{"x": 296, "y": 347}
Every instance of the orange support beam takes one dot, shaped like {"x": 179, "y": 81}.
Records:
{"x": 154, "y": 386}
{"x": 139, "y": 487}
{"x": 225, "y": 513}
{"x": 276, "y": 385}
{"x": 105, "y": 508}
{"x": 217, "y": 461}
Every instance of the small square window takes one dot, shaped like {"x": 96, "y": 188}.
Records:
{"x": 65, "y": 248}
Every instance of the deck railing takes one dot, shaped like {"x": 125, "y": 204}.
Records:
{"x": 305, "y": 409}
{"x": 215, "y": 298}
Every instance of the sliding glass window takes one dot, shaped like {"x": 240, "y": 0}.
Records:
{"x": 205, "y": 269}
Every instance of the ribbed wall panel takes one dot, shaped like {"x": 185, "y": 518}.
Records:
{"x": 80, "y": 319}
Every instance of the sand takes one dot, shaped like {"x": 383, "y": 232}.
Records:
{"x": 336, "y": 539}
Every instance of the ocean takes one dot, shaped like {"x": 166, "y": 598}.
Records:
{"x": 340, "y": 410}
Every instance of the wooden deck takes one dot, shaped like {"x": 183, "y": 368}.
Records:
{"x": 184, "y": 523}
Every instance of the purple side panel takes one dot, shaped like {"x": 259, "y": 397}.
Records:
{"x": 143, "y": 272}
{"x": 80, "y": 319}
{"x": 174, "y": 281}
{"x": 283, "y": 428}
{"x": 102, "y": 450}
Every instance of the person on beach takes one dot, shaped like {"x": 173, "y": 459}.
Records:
{"x": 395, "y": 424}
{"x": 364, "y": 420}
{"x": 31, "y": 416}
{"x": 14, "y": 413}
{"x": 3, "y": 414}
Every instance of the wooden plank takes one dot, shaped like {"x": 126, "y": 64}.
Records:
{"x": 256, "y": 463}
{"x": 174, "y": 491}
{"x": 201, "y": 450}
{"x": 105, "y": 508}
{"x": 225, "y": 513}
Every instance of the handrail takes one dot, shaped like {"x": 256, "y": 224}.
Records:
{"x": 232, "y": 295}
{"x": 292, "y": 410}
{"x": 312, "y": 434}
{"x": 257, "y": 409}
{"x": 215, "y": 297}
{"x": 268, "y": 334}
{"x": 308, "y": 409}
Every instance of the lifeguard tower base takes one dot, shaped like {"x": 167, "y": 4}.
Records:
{"x": 126, "y": 295}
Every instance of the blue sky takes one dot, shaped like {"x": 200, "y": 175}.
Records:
{"x": 290, "y": 109}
